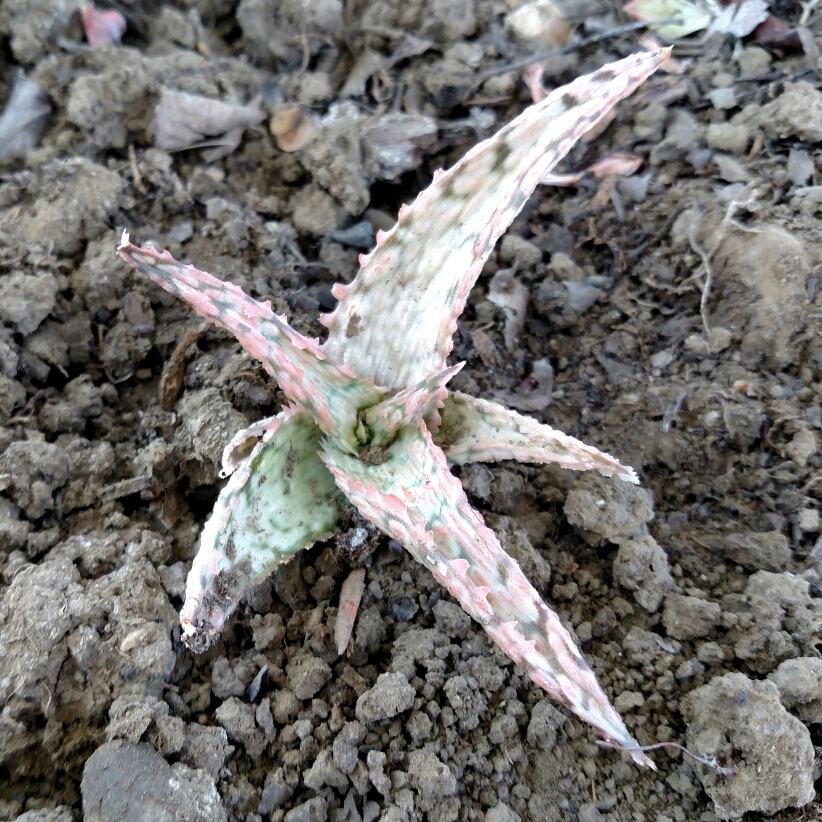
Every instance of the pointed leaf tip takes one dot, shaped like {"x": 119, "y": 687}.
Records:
{"x": 414, "y": 498}
{"x": 413, "y": 286}
{"x": 474, "y": 430}
{"x": 332, "y": 397}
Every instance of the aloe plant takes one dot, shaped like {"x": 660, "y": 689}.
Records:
{"x": 370, "y": 421}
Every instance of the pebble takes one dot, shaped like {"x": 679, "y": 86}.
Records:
{"x": 391, "y": 695}
{"x": 687, "y": 617}
{"x": 741, "y": 722}
{"x": 127, "y": 782}
{"x": 403, "y": 609}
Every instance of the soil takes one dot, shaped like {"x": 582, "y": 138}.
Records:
{"x": 697, "y": 598}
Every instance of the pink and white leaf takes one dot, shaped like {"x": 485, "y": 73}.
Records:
{"x": 413, "y": 498}
{"x": 395, "y": 321}
{"x": 333, "y": 396}
{"x": 474, "y": 430}
{"x": 279, "y": 500}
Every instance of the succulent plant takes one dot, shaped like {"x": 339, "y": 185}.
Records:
{"x": 370, "y": 422}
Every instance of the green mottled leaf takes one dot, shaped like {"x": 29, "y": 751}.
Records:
{"x": 280, "y": 500}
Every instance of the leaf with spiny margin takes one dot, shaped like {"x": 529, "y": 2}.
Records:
{"x": 333, "y": 396}
{"x": 395, "y": 412}
{"x": 279, "y": 500}
{"x": 474, "y": 430}
{"x": 413, "y": 498}
{"x": 395, "y": 321}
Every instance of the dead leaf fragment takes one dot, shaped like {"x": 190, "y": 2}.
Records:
{"x": 290, "y": 128}
{"x": 350, "y": 596}
{"x": 103, "y": 26}
{"x": 24, "y": 117}
{"x": 739, "y": 20}
{"x": 485, "y": 348}
{"x": 397, "y": 141}
{"x": 693, "y": 17}
{"x": 182, "y": 120}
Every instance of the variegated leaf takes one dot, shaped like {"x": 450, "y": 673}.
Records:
{"x": 474, "y": 430}
{"x": 395, "y": 321}
{"x": 279, "y": 500}
{"x": 413, "y": 498}
{"x": 333, "y": 396}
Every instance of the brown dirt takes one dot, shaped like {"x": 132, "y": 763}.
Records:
{"x": 108, "y": 470}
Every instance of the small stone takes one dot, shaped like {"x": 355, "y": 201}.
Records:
{"x": 730, "y": 169}
{"x": 608, "y": 507}
{"x": 642, "y": 566}
{"x": 315, "y": 810}
{"x": 168, "y": 735}
{"x": 124, "y": 782}
{"x": 268, "y": 630}
{"x": 662, "y": 359}
{"x": 345, "y": 748}
{"x": 687, "y": 617}
{"x": 742, "y": 723}
{"x": 803, "y": 446}
{"x": 58, "y": 814}
{"x": 698, "y": 345}
{"x": 689, "y": 669}
{"x": 466, "y": 700}
{"x": 430, "y": 778}
{"x": 722, "y": 98}
{"x": 391, "y": 695}
{"x": 540, "y": 23}
{"x": 546, "y": 721}
{"x": 514, "y": 249}
{"x": 797, "y": 112}
{"x": 584, "y": 632}
{"x": 719, "y": 339}
{"x": 181, "y": 233}
{"x": 402, "y": 609}
{"x": 451, "y": 20}
{"x": 800, "y": 687}
{"x": 275, "y": 792}
{"x": 628, "y": 701}
{"x": 590, "y": 813}
{"x": 710, "y": 653}
{"x": 306, "y": 674}
{"x": 753, "y": 60}
{"x": 238, "y": 719}
{"x": 206, "y": 748}
{"x": 324, "y": 772}
{"x": 26, "y": 300}
{"x": 501, "y": 813}
{"x": 727, "y": 137}
{"x": 451, "y": 619}
{"x": 131, "y": 716}
{"x": 768, "y": 551}
{"x": 808, "y": 520}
